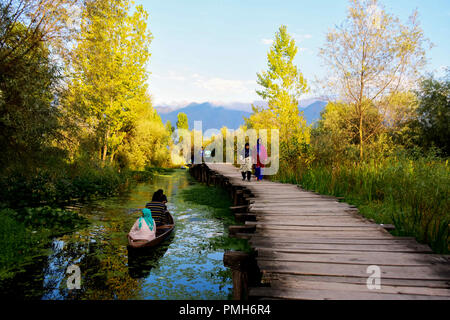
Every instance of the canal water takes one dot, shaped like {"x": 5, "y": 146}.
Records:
{"x": 185, "y": 266}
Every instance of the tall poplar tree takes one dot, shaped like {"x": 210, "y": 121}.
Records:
{"x": 282, "y": 85}
{"x": 109, "y": 71}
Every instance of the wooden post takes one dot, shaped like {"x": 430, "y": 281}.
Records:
{"x": 234, "y": 230}
{"x": 245, "y": 272}
{"x": 236, "y": 197}
{"x": 242, "y": 208}
{"x": 243, "y": 217}
{"x": 388, "y": 227}
{"x": 208, "y": 176}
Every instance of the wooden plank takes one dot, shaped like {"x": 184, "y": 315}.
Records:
{"x": 240, "y": 229}
{"x": 365, "y": 258}
{"x": 289, "y": 230}
{"x": 287, "y": 218}
{"x": 334, "y": 249}
{"x": 270, "y": 235}
{"x": 435, "y": 272}
{"x": 288, "y": 197}
{"x": 301, "y": 209}
{"x": 308, "y": 213}
{"x": 293, "y": 195}
{"x": 312, "y": 294}
{"x": 310, "y": 220}
{"x": 311, "y": 247}
{"x": 313, "y": 224}
{"x": 303, "y": 204}
{"x": 283, "y": 241}
{"x": 335, "y": 228}
{"x": 320, "y": 233}
{"x": 442, "y": 284}
{"x": 336, "y": 286}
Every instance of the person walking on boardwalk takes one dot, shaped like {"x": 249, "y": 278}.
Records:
{"x": 246, "y": 163}
{"x": 261, "y": 157}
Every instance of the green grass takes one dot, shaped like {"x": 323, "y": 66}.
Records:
{"x": 18, "y": 244}
{"x": 215, "y": 198}
{"x": 24, "y": 234}
{"x": 411, "y": 194}
{"x": 218, "y": 201}
{"x": 149, "y": 173}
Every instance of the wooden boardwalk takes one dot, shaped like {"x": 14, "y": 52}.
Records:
{"x": 311, "y": 246}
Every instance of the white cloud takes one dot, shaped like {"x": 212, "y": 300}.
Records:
{"x": 194, "y": 87}
{"x": 221, "y": 85}
{"x": 300, "y": 36}
{"x": 172, "y": 75}
{"x": 266, "y": 41}
{"x": 305, "y": 50}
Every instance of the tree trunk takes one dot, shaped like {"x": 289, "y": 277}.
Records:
{"x": 361, "y": 138}
{"x": 104, "y": 151}
{"x": 105, "y": 147}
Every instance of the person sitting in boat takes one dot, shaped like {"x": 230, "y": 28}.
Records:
{"x": 163, "y": 198}
{"x": 158, "y": 207}
{"x": 144, "y": 229}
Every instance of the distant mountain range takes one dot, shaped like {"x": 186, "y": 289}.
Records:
{"x": 231, "y": 115}
{"x": 212, "y": 117}
{"x": 312, "y": 111}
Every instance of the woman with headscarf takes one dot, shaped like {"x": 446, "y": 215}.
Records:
{"x": 261, "y": 157}
{"x": 246, "y": 163}
{"x": 144, "y": 229}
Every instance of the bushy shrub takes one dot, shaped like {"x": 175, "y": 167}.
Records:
{"x": 47, "y": 187}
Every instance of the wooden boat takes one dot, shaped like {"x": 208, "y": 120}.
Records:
{"x": 142, "y": 260}
{"x": 162, "y": 233}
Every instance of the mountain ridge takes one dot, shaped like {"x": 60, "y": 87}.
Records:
{"x": 215, "y": 116}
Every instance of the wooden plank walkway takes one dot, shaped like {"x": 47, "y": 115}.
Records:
{"x": 311, "y": 246}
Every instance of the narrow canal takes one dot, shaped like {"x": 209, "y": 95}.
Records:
{"x": 185, "y": 266}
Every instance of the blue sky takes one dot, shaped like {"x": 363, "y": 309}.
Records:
{"x": 211, "y": 50}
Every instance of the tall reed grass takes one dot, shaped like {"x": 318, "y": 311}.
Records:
{"x": 411, "y": 194}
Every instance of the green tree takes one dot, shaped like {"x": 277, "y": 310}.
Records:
{"x": 371, "y": 57}
{"x": 26, "y": 25}
{"x": 169, "y": 127}
{"x": 336, "y": 137}
{"x": 28, "y": 116}
{"x": 433, "y": 113}
{"x": 146, "y": 143}
{"x": 182, "y": 122}
{"x": 282, "y": 84}
{"x": 109, "y": 71}
{"x": 33, "y": 33}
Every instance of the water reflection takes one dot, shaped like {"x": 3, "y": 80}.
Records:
{"x": 141, "y": 261}
{"x": 181, "y": 268}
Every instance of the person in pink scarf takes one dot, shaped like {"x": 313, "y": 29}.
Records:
{"x": 144, "y": 229}
{"x": 261, "y": 157}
